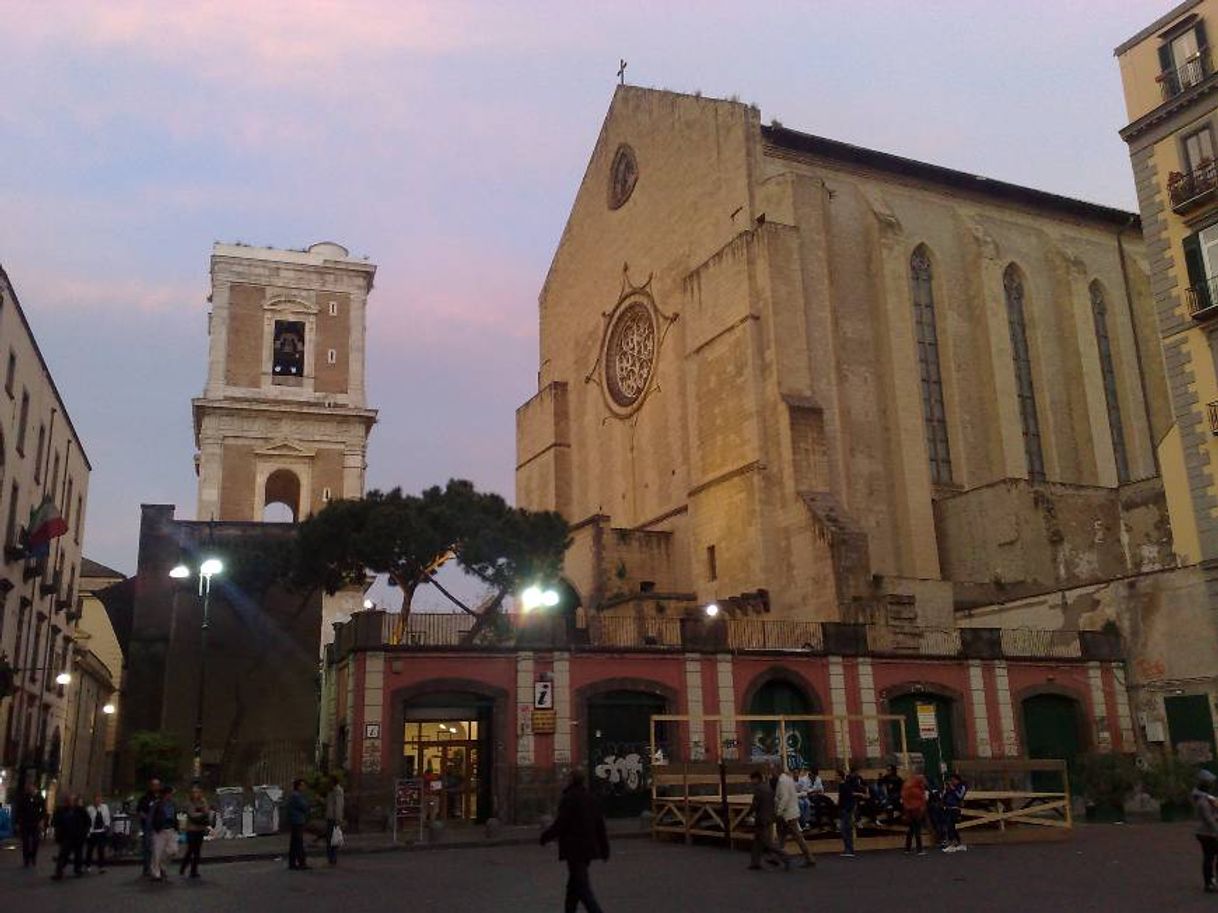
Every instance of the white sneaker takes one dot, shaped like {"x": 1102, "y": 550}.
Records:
{"x": 961, "y": 848}
{"x": 950, "y": 849}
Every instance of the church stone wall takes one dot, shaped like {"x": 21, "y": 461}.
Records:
{"x": 783, "y": 425}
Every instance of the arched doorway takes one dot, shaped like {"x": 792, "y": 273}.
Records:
{"x": 1052, "y": 728}
{"x": 448, "y": 740}
{"x": 782, "y": 697}
{"x": 619, "y": 748}
{"x": 938, "y": 752}
{"x": 282, "y": 497}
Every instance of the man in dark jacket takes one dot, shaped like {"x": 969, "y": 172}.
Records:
{"x": 31, "y": 821}
{"x": 71, "y": 830}
{"x": 298, "y": 817}
{"x": 762, "y": 812}
{"x": 580, "y": 831}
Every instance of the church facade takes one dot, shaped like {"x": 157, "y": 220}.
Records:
{"x": 804, "y": 380}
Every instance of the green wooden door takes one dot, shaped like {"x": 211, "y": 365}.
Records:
{"x": 780, "y": 698}
{"x": 935, "y": 752}
{"x": 1190, "y": 727}
{"x": 1051, "y": 725}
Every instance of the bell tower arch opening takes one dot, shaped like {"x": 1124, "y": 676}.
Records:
{"x": 281, "y": 497}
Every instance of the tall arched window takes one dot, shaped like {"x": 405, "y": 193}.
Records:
{"x": 1099, "y": 312}
{"x": 1012, "y": 283}
{"x": 934, "y": 415}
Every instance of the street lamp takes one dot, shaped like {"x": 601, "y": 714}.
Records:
{"x": 108, "y": 709}
{"x": 711, "y": 610}
{"x": 208, "y": 569}
{"x": 534, "y": 597}
{"x": 63, "y": 678}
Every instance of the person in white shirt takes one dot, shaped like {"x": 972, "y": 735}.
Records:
{"x": 99, "y": 833}
{"x": 803, "y": 788}
{"x": 786, "y": 807}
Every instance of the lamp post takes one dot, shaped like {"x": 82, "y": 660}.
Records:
{"x": 208, "y": 569}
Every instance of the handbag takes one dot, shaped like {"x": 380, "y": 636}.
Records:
{"x": 336, "y": 837}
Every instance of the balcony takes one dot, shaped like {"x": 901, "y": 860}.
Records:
{"x": 1176, "y": 81}
{"x": 1202, "y": 299}
{"x": 1211, "y": 412}
{"x": 1191, "y": 189}
{"x": 445, "y": 632}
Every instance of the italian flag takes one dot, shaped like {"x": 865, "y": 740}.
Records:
{"x": 46, "y": 523}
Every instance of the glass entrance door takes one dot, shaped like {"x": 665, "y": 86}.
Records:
{"x": 446, "y": 755}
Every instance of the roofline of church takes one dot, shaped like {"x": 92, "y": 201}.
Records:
{"x": 836, "y": 150}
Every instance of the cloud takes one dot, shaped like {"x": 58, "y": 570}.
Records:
{"x": 45, "y": 290}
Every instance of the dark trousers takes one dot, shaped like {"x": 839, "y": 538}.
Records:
{"x": 96, "y": 844}
{"x": 146, "y": 847}
{"x": 914, "y": 834}
{"x": 331, "y": 849}
{"x": 762, "y": 844}
{"x": 30, "y": 838}
{"x": 194, "y": 853}
{"x": 296, "y": 850}
{"x": 579, "y": 888}
{"x": 847, "y": 829}
{"x": 950, "y": 817}
{"x": 73, "y": 849}
{"x": 1209, "y": 855}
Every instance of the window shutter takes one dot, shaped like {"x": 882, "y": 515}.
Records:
{"x": 1199, "y": 31}
{"x": 1193, "y": 262}
{"x": 1165, "y": 61}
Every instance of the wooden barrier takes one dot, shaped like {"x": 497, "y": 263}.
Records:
{"x": 1007, "y": 801}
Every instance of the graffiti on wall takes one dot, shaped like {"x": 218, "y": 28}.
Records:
{"x": 763, "y": 747}
{"x": 621, "y": 767}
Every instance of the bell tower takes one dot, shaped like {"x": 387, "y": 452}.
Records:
{"x": 282, "y": 426}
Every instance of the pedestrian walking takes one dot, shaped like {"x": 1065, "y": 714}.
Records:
{"x": 31, "y": 821}
{"x": 99, "y": 834}
{"x": 913, "y": 801}
{"x": 1207, "y": 826}
{"x": 953, "y": 807}
{"x": 580, "y": 831}
{"x": 198, "y": 819}
{"x": 164, "y": 832}
{"x": 71, "y": 825}
{"x": 786, "y": 802}
{"x": 144, "y": 809}
{"x": 850, "y": 790}
{"x": 335, "y": 802}
{"x": 298, "y": 817}
{"x": 762, "y": 811}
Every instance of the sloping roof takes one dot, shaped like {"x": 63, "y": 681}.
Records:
{"x": 91, "y": 568}
{"x": 819, "y": 146}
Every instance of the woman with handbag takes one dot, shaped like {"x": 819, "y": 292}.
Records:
{"x": 335, "y": 800}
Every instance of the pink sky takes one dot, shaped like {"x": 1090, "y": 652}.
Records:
{"x": 445, "y": 141}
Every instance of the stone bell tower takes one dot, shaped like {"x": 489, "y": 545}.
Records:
{"x": 282, "y": 426}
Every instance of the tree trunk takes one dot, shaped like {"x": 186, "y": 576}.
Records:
{"x": 486, "y": 615}
{"x": 404, "y": 614}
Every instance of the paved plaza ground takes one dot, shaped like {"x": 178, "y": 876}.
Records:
{"x": 1111, "y": 868}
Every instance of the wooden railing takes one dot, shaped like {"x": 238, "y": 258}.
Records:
{"x": 1007, "y": 801}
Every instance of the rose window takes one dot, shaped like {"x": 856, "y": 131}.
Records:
{"x": 630, "y": 354}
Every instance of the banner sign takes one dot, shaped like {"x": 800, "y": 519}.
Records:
{"x": 928, "y": 723}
